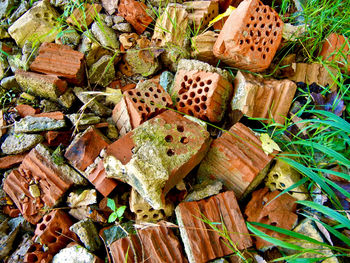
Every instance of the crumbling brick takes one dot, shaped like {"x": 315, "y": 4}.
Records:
{"x": 36, "y": 254}
{"x": 11, "y": 160}
{"x": 201, "y": 12}
{"x": 152, "y": 244}
{"x": 135, "y": 13}
{"x": 202, "y": 46}
{"x": 55, "y": 115}
{"x": 262, "y": 98}
{"x": 279, "y": 212}
{"x": 155, "y": 156}
{"x": 25, "y": 110}
{"x": 202, "y": 242}
{"x": 84, "y": 15}
{"x": 60, "y": 60}
{"x": 237, "y": 159}
{"x": 55, "y": 138}
{"x": 250, "y": 37}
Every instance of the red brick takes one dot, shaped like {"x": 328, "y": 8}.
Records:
{"x": 237, "y": 159}
{"x": 84, "y": 15}
{"x": 11, "y": 210}
{"x": 84, "y": 149}
{"x": 203, "y": 243}
{"x": 279, "y": 212}
{"x": 60, "y": 60}
{"x": 36, "y": 254}
{"x": 250, "y": 37}
{"x": 55, "y": 138}
{"x": 11, "y": 160}
{"x": 201, "y": 94}
{"x": 158, "y": 243}
{"x": 56, "y": 115}
{"x": 135, "y": 13}
{"x": 25, "y": 110}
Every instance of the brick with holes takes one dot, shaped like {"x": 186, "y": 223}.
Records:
{"x": 250, "y": 37}
{"x": 201, "y": 12}
{"x": 201, "y": 91}
{"x": 156, "y": 155}
{"x": 37, "y": 254}
{"x": 237, "y": 159}
{"x": 140, "y": 104}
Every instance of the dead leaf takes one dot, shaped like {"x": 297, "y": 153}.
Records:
{"x": 268, "y": 144}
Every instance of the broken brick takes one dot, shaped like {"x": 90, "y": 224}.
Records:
{"x": 279, "y": 212}
{"x": 202, "y": 242}
{"x": 36, "y": 254}
{"x": 152, "y": 244}
{"x": 268, "y": 99}
{"x": 202, "y": 46}
{"x": 11, "y": 160}
{"x": 155, "y": 156}
{"x": 84, "y": 15}
{"x": 135, "y": 13}
{"x": 201, "y": 12}
{"x": 25, "y": 110}
{"x": 60, "y": 60}
{"x": 55, "y": 138}
{"x": 250, "y": 37}
{"x": 11, "y": 211}
{"x": 237, "y": 159}
{"x": 56, "y": 115}
{"x": 85, "y": 148}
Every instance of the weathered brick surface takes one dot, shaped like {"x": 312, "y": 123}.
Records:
{"x": 250, "y": 36}
{"x": 25, "y": 110}
{"x": 36, "y": 254}
{"x": 237, "y": 159}
{"x": 262, "y": 98}
{"x": 55, "y": 138}
{"x": 203, "y": 47}
{"x": 158, "y": 243}
{"x": 280, "y": 212}
{"x": 201, "y": 94}
{"x": 60, "y": 60}
{"x": 135, "y": 13}
{"x": 11, "y": 160}
{"x": 202, "y": 12}
{"x": 84, "y": 15}
{"x": 202, "y": 243}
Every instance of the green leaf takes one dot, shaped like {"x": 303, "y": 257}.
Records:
{"x": 112, "y": 217}
{"x": 111, "y": 204}
{"x": 120, "y": 211}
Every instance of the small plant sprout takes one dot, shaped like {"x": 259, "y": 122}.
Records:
{"x": 117, "y": 214}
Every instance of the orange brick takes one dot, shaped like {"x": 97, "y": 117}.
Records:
{"x": 84, "y": 15}
{"x": 36, "y": 253}
{"x": 11, "y": 160}
{"x": 55, "y": 138}
{"x": 25, "y": 110}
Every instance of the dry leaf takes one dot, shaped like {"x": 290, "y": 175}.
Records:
{"x": 268, "y": 144}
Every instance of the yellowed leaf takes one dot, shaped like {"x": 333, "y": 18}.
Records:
{"x": 268, "y": 144}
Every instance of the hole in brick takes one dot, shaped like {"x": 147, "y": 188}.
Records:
{"x": 189, "y": 102}
{"x": 147, "y": 94}
{"x": 271, "y": 41}
{"x": 260, "y": 18}
{"x": 257, "y": 9}
{"x": 140, "y": 108}
{"x": 194, "y": 85}
{"x": 247, "y": 41}
{"x": 190, "y": 81}
{"x": 275, "y": 33}
{"x": 200, "y": 91}
{"x": 251, "y": 33}
{"x": 185, "y": 78}
{"x": 184, "y": 140}
{"x": 180, "y": 128}
{"x": 155, "y": 216}
{"x": 183, "y": 85}
{"x": 32, "y": 258}
{"x": 206, "y": 89}
{"x": 148, "y": 109}
{"x": 170, "y": 152}
{"x": 51, "y": 239}
{"x": 259, "y": 49}
{"x": 192, "y": 94}
{"x": 276, "y": 18}
{"x": 278, "y": 24}
{"x": 259, "y": 33}
{"x": 185, "y": 97}
{"x": 209, "y": 82}
{"x": 145, "y": 216}
{"x": 262, "y": 25}
{"x": 48, "y": 218}
{"x": 252, "y": 18}
{"x": 159, "y": 91}
{"x": 190, "y": 112}
{"x": 268, "y": 16}
{"x": 177, "y": 99}
{"x": 264, "y": 43}
{"x": 273, "y": 184}
{"x": 42, "y": 227}
{"x": 275, "y": 176}
{"x": 134, "y": 100}
{"x": 203, "y": 106}
{"x": 264, "y": 56}
{"x": 201, "y": 84}
{"x": 155, "y": 95}
{"x": 197, "y": 100}
{"x": 138, "y": 211}
{"x": 252, "y": 48}
{"x": 162, "y": 212}
{"x": 267, "y": 49}
{"x": 197, "y": 109}
{"x": 58, "y": 230}
{"x": 143, "y": 116}
{"x": 241, "y": 42}
{"x": 32, "y": 248}
{"x": 267, "y": 33}
{"x": 273, "y": 224}
{"x": 255, "y": 25}
{"x": 130, "y": 92}
{"x": 164, "y": 99}
{"x": 152, "y": 102}
{"x": 265, "y": 10}
{"x": 248, "y": 25}
{"x": 138, "y": 93}
{"x": 270, "y": 26}
{"x": 150, "y": 89}
{"x": 282, "y": 185}
{"x": 204, "y": 98}
{"x": 198, "y": 79}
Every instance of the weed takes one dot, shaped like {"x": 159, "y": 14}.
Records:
{"x": 117, "y": 214}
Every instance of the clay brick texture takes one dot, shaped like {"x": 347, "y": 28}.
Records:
{"x": 201, "y": 94}
{"x": 60, "y": 60}
{"x": 237, "y": 159}
{"x": 36, "y": 254}
{"x": 201, "y": 12}
{"x": 250, "y": 37}
{"x": 202, "y": 243}
{"x": 9, "y": 161}
{"x": 84, "y": 15}
{"x": 158, "y": 243}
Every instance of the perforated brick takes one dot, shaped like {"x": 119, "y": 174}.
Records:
{"x": 36, "y": 254}
{"x": 201, "y": 12}
{"x": 250, "y": 37}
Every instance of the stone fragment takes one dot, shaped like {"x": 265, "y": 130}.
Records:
{"x": 93, "y": 51}
{"x": 67, "y": 99}
{"x": 19, "y": 254}
{"x": 53, "y": 181}
{"x": 157, "y": 155}
{"x": 110, "y": 5}
{"x": 83, "y": 16}
{"x": 79, "y": 120}
{"x": 76, "y": 254}
{"x": 87, "y": 233}
{"x": 80, "y": 202}
{"x": 336, "y": 49}
{"x": 36, "y": 24}
{"x": 293, "y": 32}
{"x": 202, "y": 46}
{"x": 35, "y": 124}
{"x": 92, "y": 103}
{"x": 123, "y": 27}
{"x": 154, "y": 244}
{"x": 6, "y": 7}
{"x": 10, "y": 83}
{"x": 166, "y": 80}
{"x": 135, "y": 13}
{"x": 201, "y": 93}
{"x": 20, "y": 10}
{"x": 102, "y": 72}
{"x": 237, "y": 159}
{"x": 204, "y": 190}
{"x": 282, "y": 176}
{"x": 142, "y": 62}
{"x": 268, "y": 99}
{"x": 202, "y": 243}
{"x": 279, "y": 212}
{"x": 70, "y": 37}
{"x": 140, "y": 104}
{"x": 60, "y": 60}
{"x": 250, "y": 37}
{"x": 19, "y": 143}
{"x": 8, "y": 235}
{"x": 85, "y": 148}
{"x": 9, "y": 161}
{"x": 114, "y": 95}
{"x": 105, "y": 35}
{"x": 201, "y": 12}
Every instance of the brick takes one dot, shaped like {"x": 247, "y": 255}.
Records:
{"x": 202, "y": 243}
{"x": 135, "y": 13}
{"x": 3, "y": 124}
{"x": 263, "y": 98}
{"x": 250, "y": 37}
{"x": 155, "y": 156}
{"x": 84, "y": 15}
{"x": 11, "y": 160}
{"x": 60, "y": 60}
{"x": 237, "y": 159}
{"x": 85, "y": 148}
{"x": 151, "y": 244}
{"x": 140, "y": 104}
{"x": 202, "y": 46}
{"x": 11, "y": 211}
{"x": 25, "y": 110}
{"x": 53, "y": 231}
{"x": 201, "y": 93}
{"x": 51, "y": 180}
{"x": 280, "y": 213}
{"x": 201, "y": 12}
{"x": 55, "y": 115}
{"x": 55, "y": 138}
{"x": 336, "y": 49}
{"x": 36, "y": 254}
{"x": 46, "y": 86}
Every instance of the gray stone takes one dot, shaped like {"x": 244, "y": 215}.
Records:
{"x": 37, "y": 124}
{"x": 60, "y": 3}
{"x": 118, "y": 19}
{"x": 19, "y": 143}
{"x": 173, "y": 54}
{"x": 49, "y": 106}
{"x": 97, "y": 107}
{"x": 10, "y": 83}
{"x": 84, "y": 119}
{"x": 21, "y": 9}
{"x": 139, "y": 64}
{"x": 123, "y": 27}
{"x": 102, "y": 72}
{"x": 21, "y": 251}
{"x": 3, "y": 32}
{"x": 74, "y": 254}
{"x": 67, "y": 99}
{"x": 204, "y": 190}
{"x": 109, "y": 21}
{"x": 166, "y": 80}
{"x": 105, "y": 35}
{"x": 70, "y": 37}
{"x": 87, "y": 233}
{"x": 7, "y": 239}
{"x": 6, "y": 6}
